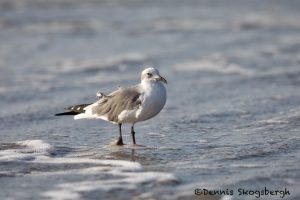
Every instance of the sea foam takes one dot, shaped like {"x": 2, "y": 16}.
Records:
{"x": 73, "y": 176}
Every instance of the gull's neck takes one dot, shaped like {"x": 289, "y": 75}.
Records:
{"x": 149, "y": 85}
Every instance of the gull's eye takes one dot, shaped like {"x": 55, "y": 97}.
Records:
{"x": 149, "y": 75}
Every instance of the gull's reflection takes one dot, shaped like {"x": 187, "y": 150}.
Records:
{"x": 132, "y": 155}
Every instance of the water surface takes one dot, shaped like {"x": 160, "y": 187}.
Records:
{"x": 232, "y": 117}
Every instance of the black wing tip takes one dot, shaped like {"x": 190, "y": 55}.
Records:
{"x": 73, "y": 110}
{"x": 67, "y": 113}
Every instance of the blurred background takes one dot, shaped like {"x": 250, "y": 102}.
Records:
{"x": 232, "y": 117}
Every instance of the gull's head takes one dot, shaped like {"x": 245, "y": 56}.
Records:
{"x": 152, "y": 75}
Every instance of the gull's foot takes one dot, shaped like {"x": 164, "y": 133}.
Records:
{"x": 118, "y": 142}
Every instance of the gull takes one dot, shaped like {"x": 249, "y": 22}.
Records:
{"x": 126, "y": 105}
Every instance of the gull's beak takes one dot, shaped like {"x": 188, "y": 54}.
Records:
{"x": 162, "y": 79}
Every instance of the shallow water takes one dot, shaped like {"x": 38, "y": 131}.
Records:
{"x": 232, "y": 118}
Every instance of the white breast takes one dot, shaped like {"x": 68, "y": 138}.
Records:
{"x": 154, "y": 99}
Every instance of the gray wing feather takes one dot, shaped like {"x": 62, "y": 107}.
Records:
{"x": 113, "y": 104}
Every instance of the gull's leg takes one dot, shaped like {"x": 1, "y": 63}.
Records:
{"x": 133, "y": 134}
{"x": 120, "y": 140}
